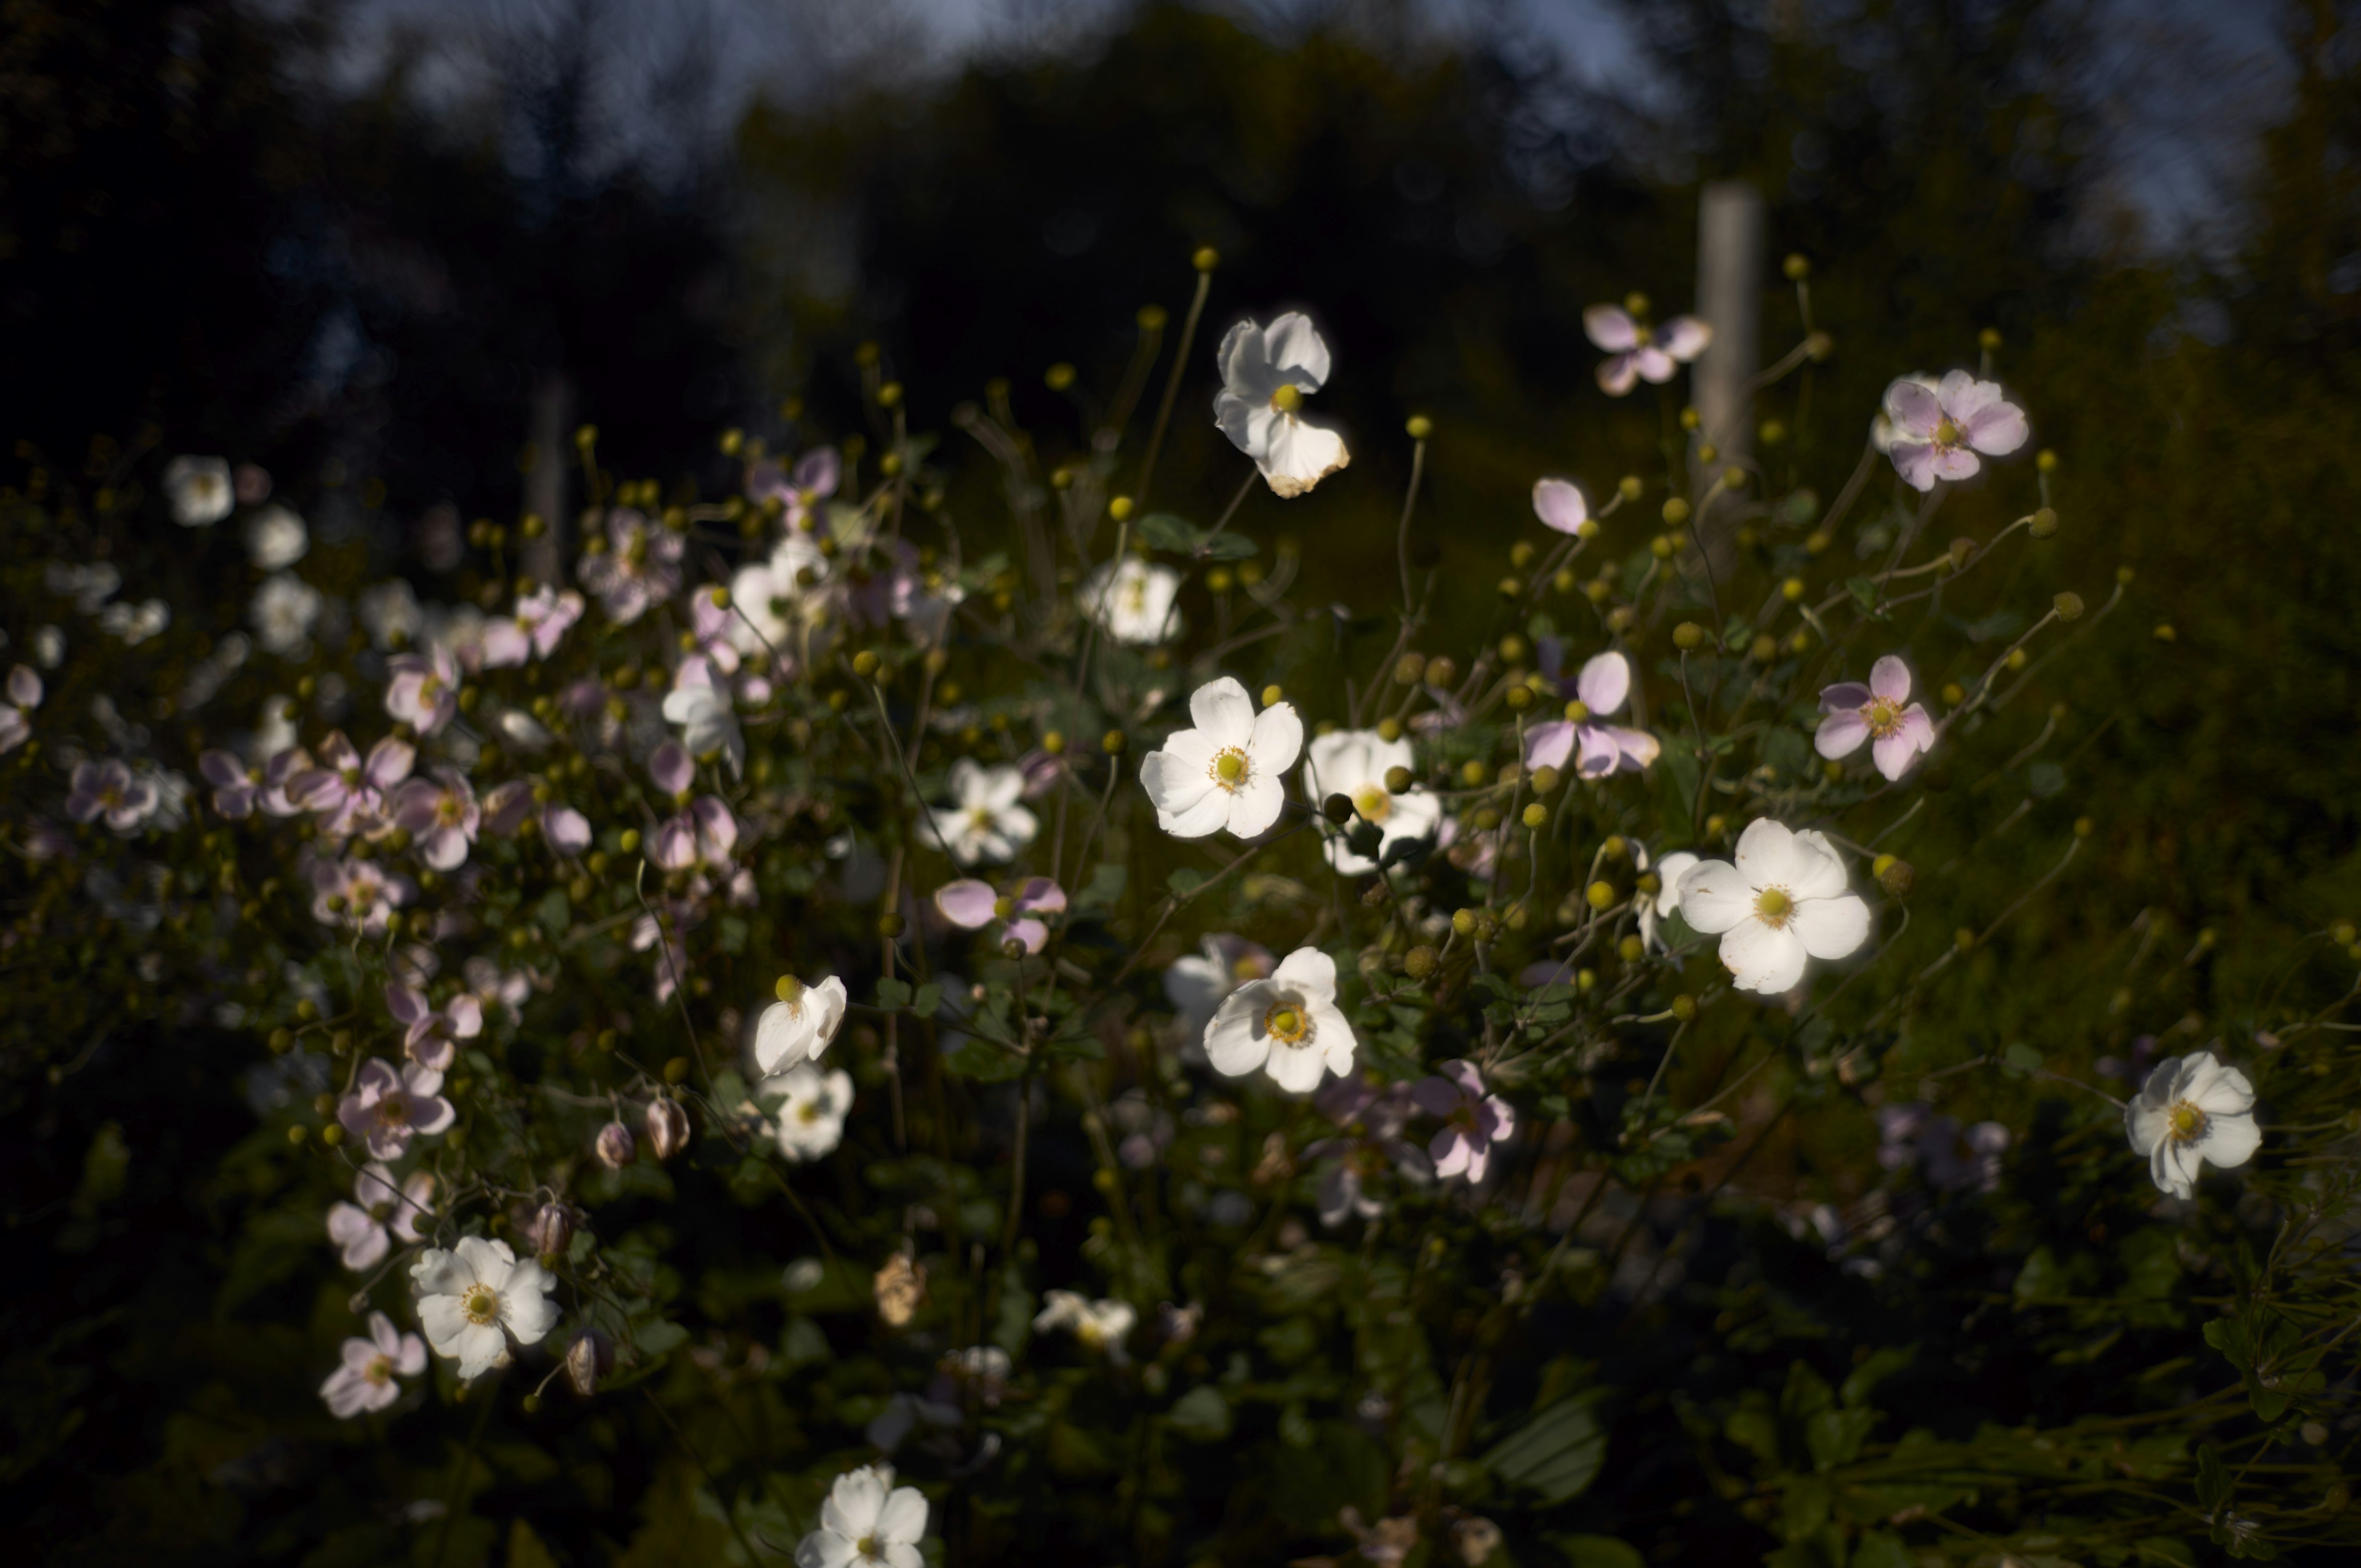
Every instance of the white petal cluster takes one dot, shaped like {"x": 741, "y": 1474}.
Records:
{"x": 811, "y": 1107}
{"x": 1266, "y": 374}
{"x": 1354, "y": 763}
{"x": 799, "y": 1026}
{"x": 1100, "y": 1325}
{"x": 1226, "y": 772}
{"x": 1784, "y": 900}
{"x": 2190, "y": 1111}
{"x": 472, "y": 1297}
{"x": 1288, "y": 1025}
{"x": 867, "y": 1522}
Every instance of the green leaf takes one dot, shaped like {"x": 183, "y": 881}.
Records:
{"x": 2020, "y": 1060}
{"x": 1225, "y": 547}
{"x": 2045, "y": 780}
{"x": 553, "y": 914}
{"x": 984, "y": 1062}
{"x": 1185, "y": 881}
{"x": 930, "y": 997}
{"x": 1202, "y": 1414}
{"x": 1595, "y": 1552}
{"x": 657, "y": 1335}
{"x": 893, "y": 993}
{"x": 1554, "y": 1455}
{"x": 1105, "y": 886}
{"x": 1165, "y": 531}
{"x": 1864, "y": 591}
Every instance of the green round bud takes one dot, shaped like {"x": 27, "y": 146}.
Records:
{"x": 2069, "y": 606}
{"x": 1113, "y": 742}
{"x": 1797, "y": 267}
{"x": 2043, "y": 523}
{"x": 1337, "y": 808}
{"x": 1536, "y": 815}
{"x": 1685, "y": 1007}
{"x": 1398, "y": 780}
{"x": 1420, "y": 427}
{"x": 1675, "y": 510}
{"x": 1420, "y": 962}
{"x": 1599, "y": 895}
{"x": 676, "y": 1071}
{"x": 1688, "y": 637}
{"x": 889, "y": 926}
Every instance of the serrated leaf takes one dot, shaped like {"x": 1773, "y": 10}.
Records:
{"x": 893, "y": 993}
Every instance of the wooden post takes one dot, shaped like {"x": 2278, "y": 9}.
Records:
{"x": 1730, "y": 298}
{"x": 550, "y": 427}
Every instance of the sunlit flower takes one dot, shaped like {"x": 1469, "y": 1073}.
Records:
{"x": 1882, "y": 429}
{"x": 1226, "y": 772}
{"x": 1288, "y": 1024}
{"x": 811, "y": 1105}
{"x": 386, "y": 1109}
{"x": 1638, "y": 352}
{"x": 23, "y": 694}
{"x": 275, "y": 538}
{"x": 801, "y": 1026}
{"x": 430, "y": 1035}
{"x": 1354, "y": 763}
{"x": 1596, "y": 747}
{"x": 1937, "y": 434}
{"x": 986, "y": 822}
{"x": 533, "y": 630}
{"x": 1559, "y": 504}
{"x": 867, "y": 1522}
{"x": 1786, "y": 900}
{"x": 1197, "y": 983}
{"x": 199, "y": 489}
{"x": 1472, "y": 1121}
{"x": 110, "y": 790}
{"x": 365, "y": 1380}
{"x": 1265, "y": 376}
{"x": 424, "y": 690}
{"x": 708, "y": 722}
{"x": 971, "y": 905}
{"x": 639, "y": 566}
{"x": 468, "y": 1295}
{"x": 383, "y": 1211}
{"x": 1100, "y": 1325}
{"x": 2192, "y": 1110}
{"x": 1649, "y": 909}
{"x": 284, "y": 608}
{"x": 1134, "y": 600}
{"x": 1880, "y": 713}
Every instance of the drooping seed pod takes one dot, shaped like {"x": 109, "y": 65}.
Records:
{"x": 667, "y": 1127}
{"x": 551, "y": 1231}
{"x": 616, "y": 1146}
{"x": 590, "y": 1357}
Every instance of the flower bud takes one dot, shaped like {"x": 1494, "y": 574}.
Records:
{"x": 667, "y": 1127}
{"x": 1545, "y": 780}
{"x": 1819, "y": 345}
{"x": 2084, "y": 826}
{"x": 1420, "y": 962}
{"x": 1685, "y": 1007}
{"x": 1472, "y": 773}
{"x": 1337, "y": 808}
{"x": 1113, "y": 742}
{"x": 1690, "y": 418}
{"x": 1442, "y": 671}
{"x": 551, "y": 1231}
{"x": 332, "y": 1134}
{"x": 1676, "y": 511}
{"x": 1599, "y": 895}
{"x": 1763, "y": 648}
{"x": 1420, "y": 427}
{"x": 1120, "y": 508}
{"x": 1408, "y": 670}
{"x": 2042, "y": 524}
{"x": 1463, "y": 921}
{"x": 590, "y": 1357}
{"x": 1791, "y": 589}
{"x": 1894, "y": 875}
{"x": 1398, "y": 780}
{"x": 1389, "y": 731}
{"x": 1536, "y": 815}
{"x": 616, "y": 1146}
{"x": 889, "y": 926}
{"x": 2069, "y": 606}
{"x": 1519, "y": 698}
{"x": 1688, "y": 636}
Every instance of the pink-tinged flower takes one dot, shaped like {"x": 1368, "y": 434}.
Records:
{"x": 707, "y": 719}
{"x": 387, "y": 1109}
{"x": 108, "y": 789}
{"x": 357, "y": 894}
{"x": 971, "y": 905}
{"x": 382, "y": 1210}
{"x": 702, "y": 835}
{"x": 1638, "y": 352}
{"x": 1197, "y": 983}
{"x": 469, "y": 1296}
{"x": 1596, "y": 747}
{"x": 424, "y": 691}
{"x": 663, "y": 937}
{"x": 492, "y": 986}
{"x": 366, "y": 1381}
{"x": 277, "y": 795}
{"x": 639, "y": 566}
{"x": 235, "y": 785}
{"x": 432, "y": 1034}
{"x": 345, "y": 791}
{"x": 567, "y": 830}
{"x": 813, "y": 480}
{"x": 1472, "y": 1121}
{"x": 507, "y": 805}
{"x": 1371, "y": 1143}
{"x": 1880, "y": 713}
{"x": 17, "y": 713}
{"x": 1560, "y": 505}
{"x": 540, "y": 622}
{"x": 1937, "y": 434}
{"x": 441, "y": 814}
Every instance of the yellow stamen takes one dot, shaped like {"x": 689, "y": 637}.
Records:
{"x": 1773, "y": 907}
{"x": 1287, "y": 1025}
{"x": 2187, "y": 1123}
{"x": 482, "y": 1303}
{"x": 1949, "y": 434}
{"x": 1373, "y": 804}
{"x": 1230, "y": 769}
{"x": 1287, "y": 399}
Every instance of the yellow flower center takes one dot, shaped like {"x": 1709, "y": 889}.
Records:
{"x": 1773, "y": 906}
{"x": 1949, "y": 434}
{"x": 1287, "y": 399}
{"x": 636, "y": 552}
{"x": 790, "y": 991}
{"x": 2187, "y": 1123}
{"x": 1642, "y": 334}
{"x": 394, "y": 1110}
{"x": 1287, "y": 1025}
{"x": 980, "y": 818}
{"x": 1134, "y": 597}
{"x": 808, "y": 1112}
{"x": 1373, "y": 804}
{"x": 379, "y": 1371}
{"x": 1882, "y": 716}
{"x": 1230, "y": 769}
{"x": 482, "y": 1303}
{"x": 448, "y": 812}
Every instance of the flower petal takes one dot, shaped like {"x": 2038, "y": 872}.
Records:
{"x": 1685, "y": 337}
{"x": 1914, "y": 410}
{"x": 966, "y": 903}
{"x": 1277, "y": 739}
{"x": 1890, "y": 678}
{"x": 1830, "y": 927}
{"x": 1307, "y": 974}
{"x": 1293, "y": 344}
{"x": 1762, "y": 960}
{"x": 1604, "y": 683}
{"x": 1559, "y": 504}
{"x": 1610, "y": 328}
{"x": 1222, "y": 710}
{"x": 1256, "y": 805}
{"x": 1712, "y": 896}
{"x": 1767, "y": 855}
{"x": 1841, "y": 734}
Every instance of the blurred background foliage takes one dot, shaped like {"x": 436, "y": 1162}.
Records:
{"x": 227, "y": 227}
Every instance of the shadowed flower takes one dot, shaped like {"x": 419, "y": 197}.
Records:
{"x": 639, "y": 566}
{"x": 2191, "y": 1109}
{"x": 986, "y": 821}
{"x": 365, "y": 1380}
{"x": 199, "y": 489}
{"x": 801, "y": 1026}
{"x": 971, "y": 905}
{"x": 1099, "y": 1326}
{"x": 540, "y": 622}
{"x": 1354, "y": 763}
{"x": 707, "y": 720}
{"x": 424, "y": 691}
{"x": 1786, "y": 900}
{"x": 1265, "y": 376}
{"x": 1472, "y": 1121}
{"x": 1197, "y": 983}
{"x": 1559, "y": 504}
{"x": 24, "y": 694}
{"x": 110, "y": 790}
{"x": 1373, "y": 1120}
{"x": 1226, "y": 772}
{"x": 1134, "y": 600}
{"x": 1638, "y": 352}
{"x": 275, "y": 538}
{"x": 431, "y": 1034}
{"x": 441, "y": 814}
{"x": 387, "y": 1109}
{"x": 381, "y": 1213}
{"x": 1937, "y": 433}
{"x": 1288, "y": 1024}
{"x": 1649, "y": 909}
{"x": 468, "y": 1296}
{"x": 811, "y": 1109}
{"x": 1881, "y": 713}
{"x": 1597, "y": 747}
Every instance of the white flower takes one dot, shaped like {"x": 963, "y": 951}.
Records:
{"x": 275, "y": 538}
{"x": 199, "y": 489}
{"x": 135, "y": 623}
{"x": 468, "y": 1296}
{"x": 801, "y": 1026}
{"x": 1226, "y": 772}
{"x": 708, "y": 723}
{"x": 284, "y": 608}
{"x": 867, "y": 1520}
{"x": 1264, "y": 377}
{"x": 2191, "y": 1109}
{"x": 1354, "y": 763}
{"x": 389, "y": 611}
{"x": 988, "y": 823}
{"x": 1786, "y": 900}
{"x": 1289, "y": 1023}
{"x": 1100, "y": 1325}
{"x": 1650, "y": 909}
{"x": 1134, "y": 600}
{"x": 811, "y": 1109}
{"x": 24, "y": 694}
{"x": 366, "y": 1381}
{"x": 1196, "y": 985}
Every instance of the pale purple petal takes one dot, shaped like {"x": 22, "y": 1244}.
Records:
{"x": 1610, "y": 328}
{"x": 1915, "y": 410}
{"x": 567, "y": 830}
{"x": 1616, "y": 376}
{"x": 1683, "y": 337}
{"x": 671, "y": 767}
{"x": 1998, "y": 430}
{"x": 1841, "y": 734}
{"x": 1549, "y": 745}
{"x": 1844, "y": 694}
{"x": 1890, "y": 678}
{"x": 1915, "y": 461}
{"x": 966, "y": 903}
{"x": 1656, "y": 366}
{"x": 1559, "y": 504}
{"x": 1956, "y": 463}
{"x": 1604, "y": 683}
